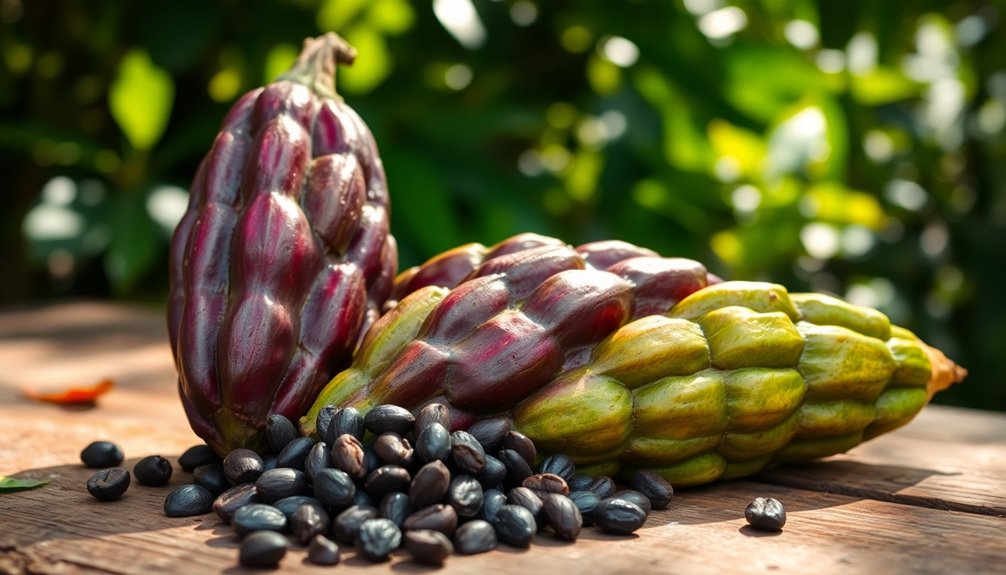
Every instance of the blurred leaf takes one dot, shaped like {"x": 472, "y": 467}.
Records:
{"x": 685, "y": 144}
{"x": 426, "y": 213}
{"x": 70, "y": 217}
{"x": 604, "y": 77}
{"x": 581, "y": 181}
{"x": 335, "y": 15}
{"x": 391, "y": 16}
{"x": 833, "y": 202}
{"x": 659, "y": 197}
{"x": 762, "y": 81}
{"x": 808, "y": 140}
{"x": 135, "y": 245}
{"x": 225, "y": 84}
{"x": 781, "y": 192}
{"x": 728, "y": 247}
{"x": 838, "y": 137}
{"x": 278, "y": 60}
{"x": 372, "y": 65}
{"x": 750, "y": 249}
{"x": 882, "y": 85}
{"x": 743, "y": 146}
{"x": 140, "y": 99}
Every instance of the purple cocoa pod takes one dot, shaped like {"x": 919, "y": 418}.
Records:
{"x": 521, "y": 242}
{"x": 447, "y": 270}
{"x": 526, "y": 269}
{"x": 284, "y": 255}
{"x": 582, "y": 306}
{"x": 501, "y": 362}
{"x": 603, "y": 254}
{"x": 471, "y": 303}
{"x": 661, "y": 282}
{"x": 454, "y": 266}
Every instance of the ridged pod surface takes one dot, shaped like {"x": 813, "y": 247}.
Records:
{"x": 454, "y": 266}
{"x": 283, "y": 257}
{"x": 516, "y": 320}
{"x": 731, "y": 378}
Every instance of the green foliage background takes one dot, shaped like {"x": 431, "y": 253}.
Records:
{"x": 852, "y": 147}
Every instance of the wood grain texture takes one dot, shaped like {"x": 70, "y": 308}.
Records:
{"x": 928, "y": 498}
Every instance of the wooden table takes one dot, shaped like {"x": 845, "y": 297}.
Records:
{"x": 929, "y": 498}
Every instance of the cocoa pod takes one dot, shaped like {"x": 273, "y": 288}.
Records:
{"x": 283, "y": 257}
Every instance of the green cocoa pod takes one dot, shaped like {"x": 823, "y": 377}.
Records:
{"x": 736, "y": 446}
{"x": 759, "y": 398}
{"x": 585, "y": 416}
{"x": 741, "y": 374}
{"x": 840, "y": 363}
{"x": 913, "y": 364}
{"x": 757, "y": 296}
{"x": 894, "y": 408}
{"x": 740, "y": 337}
{"x": 680, "y": 407}
{"x": 821, "y": 309}
{"x": 650, "y": 347}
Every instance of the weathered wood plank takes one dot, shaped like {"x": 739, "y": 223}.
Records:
{"x": 887, "y": 506}
{"x": 703, "y": 532}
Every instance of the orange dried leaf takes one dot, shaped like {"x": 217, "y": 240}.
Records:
{"x": 73, "y": 395}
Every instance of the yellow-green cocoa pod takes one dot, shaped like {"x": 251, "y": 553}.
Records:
{"x": 743, "y": 374}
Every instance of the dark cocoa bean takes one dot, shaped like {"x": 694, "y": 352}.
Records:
{"x": 465, "y": 495}
{"x": 323, "y": 551}
{"x": 153, "y": 471}
{"x": 522, "y": 444}
{"x": 439, "y": 517}
{"x": 515, "y": 525}
{"x": 188, "y": 500}
{"x": 281, "y": 482}
{"x": 258, "y": 517}
{"x": 765, "y": 514}
{"x": 264, "y": 549}
{"x": 386, "y": 417}
{"x": 467, "y": 453}
{"x": 242, "y": 466}
{"x": 279, "y": 431}
{"x": 378, "y": 538}
{"x": 618, "y": 516}
{"x": 430, "y": 484}
{"x": 228, "y": 502}
{"x": 476, "y": 536}
{"x": 562, "y": 515}
{"x": 100, "y": 454}
{"x": 109, "y": 484}
{"x": 428, "y": 546}
{"x": 542, "y": 483}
